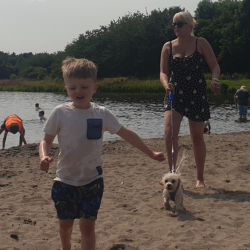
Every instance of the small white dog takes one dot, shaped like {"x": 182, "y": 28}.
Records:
{"x": 173, "y": 189}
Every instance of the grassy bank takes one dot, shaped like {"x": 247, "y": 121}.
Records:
{"x": 111, "y": 85}
{"x": 31, "y": 86}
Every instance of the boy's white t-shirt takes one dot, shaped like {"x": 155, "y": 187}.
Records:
{"x": 80, "y": 158}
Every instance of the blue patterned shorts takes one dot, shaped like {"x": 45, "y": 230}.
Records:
{"x": 75, "y": 202}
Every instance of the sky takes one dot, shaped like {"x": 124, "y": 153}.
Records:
{"x": 49, "y": 25}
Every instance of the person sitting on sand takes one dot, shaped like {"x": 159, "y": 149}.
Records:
{"x": 41, "y": 115}
{"x": 207, "y": 127}
{"x": 79, "y": 126}
{"x": 241, "y": 99}
{"x": 13, "y": 124}
{"x": 37, "y": 106}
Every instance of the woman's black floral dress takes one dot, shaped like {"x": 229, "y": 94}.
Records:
{"x": 190, "y": 98}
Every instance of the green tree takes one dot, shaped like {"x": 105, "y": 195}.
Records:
{"x": 33, "y": 73}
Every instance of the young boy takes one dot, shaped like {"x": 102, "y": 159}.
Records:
{"x": 79, "y": 125}
{"x": 37, "y": 106}
{"x": 41, "y": 115}
{"x": 13, "y": 124}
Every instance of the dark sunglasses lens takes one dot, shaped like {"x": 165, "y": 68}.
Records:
{"x": 179, "y": 25}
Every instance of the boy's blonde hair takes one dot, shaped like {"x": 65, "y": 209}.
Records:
{"x": 185, "y": 17}
{"x": 79, "y": 68}
{"x": 243, "y": 87}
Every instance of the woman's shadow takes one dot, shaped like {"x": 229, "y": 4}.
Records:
{"x": 219, "y": 194}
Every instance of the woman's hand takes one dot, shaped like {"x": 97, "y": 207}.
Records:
{"x": 170, "y": 88}
{"x": 215, "y": 87}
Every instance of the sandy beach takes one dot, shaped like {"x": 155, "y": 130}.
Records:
{"x": 132, "y": 216}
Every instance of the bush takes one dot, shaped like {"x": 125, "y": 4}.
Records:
{"x": 224, "y": 88}
{"x": 231, "y": 90}
{"x": 13, "y": 76}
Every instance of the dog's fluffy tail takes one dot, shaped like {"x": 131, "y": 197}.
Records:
{"x": 183, "y": 158}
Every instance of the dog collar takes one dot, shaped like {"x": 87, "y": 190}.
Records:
{"x": 172, "y": 195}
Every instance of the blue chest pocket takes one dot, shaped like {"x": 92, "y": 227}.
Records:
{"x": 94, "y": 129}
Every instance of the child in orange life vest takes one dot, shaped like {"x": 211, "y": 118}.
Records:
{"x": 13, "y": 124}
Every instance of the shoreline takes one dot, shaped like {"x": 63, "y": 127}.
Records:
{"x": 132, "y": 215}
{"x": 144, "y": 139}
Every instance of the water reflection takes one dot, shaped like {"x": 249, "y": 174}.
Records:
{"x": 142, "y": 113}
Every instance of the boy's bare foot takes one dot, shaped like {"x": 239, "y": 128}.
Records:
{"x": 200, "y": 184}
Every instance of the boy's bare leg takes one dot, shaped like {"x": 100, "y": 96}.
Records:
{"x": 87, "y": 228}
{"x": 66, "y": 227}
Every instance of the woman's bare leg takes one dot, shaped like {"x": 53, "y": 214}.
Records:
{"x": 196, "y": 132}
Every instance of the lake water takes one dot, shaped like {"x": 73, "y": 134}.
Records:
{"x": 142, "y": 113}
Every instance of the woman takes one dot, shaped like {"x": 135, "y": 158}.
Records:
{"x": 181, "y": 72}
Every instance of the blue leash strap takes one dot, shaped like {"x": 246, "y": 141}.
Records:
{"x": 171, "y": 100}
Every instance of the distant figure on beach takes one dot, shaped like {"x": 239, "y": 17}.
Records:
{"x": 207, "y": 127}
{"x": 41, "y": 115}
{"x": 181, "y": 72}
{"x": 241, "y": 99}
{"x": 79, "y": 126}
{"x": 37, "y": 106}
{"x": 13, "y": 124}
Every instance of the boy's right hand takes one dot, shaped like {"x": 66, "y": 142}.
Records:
{"x": 44, "y": 163}
{"x": 158, "y": 156}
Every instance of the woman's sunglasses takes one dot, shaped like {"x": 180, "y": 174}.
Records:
{"x": 179, "y": 25}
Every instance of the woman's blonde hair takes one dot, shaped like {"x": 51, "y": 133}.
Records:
{"x": 185, "y": 17}
{"x": 243, "y": 87}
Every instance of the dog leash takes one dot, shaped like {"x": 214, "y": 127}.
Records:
{"x": 171, "y": 100}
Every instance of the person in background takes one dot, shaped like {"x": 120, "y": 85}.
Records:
{"x": 80, "y": 124}
{"x": 241, "y": 99}
{"x": 37, "y": 106}
{"x": 207, "y": 127}
{"x": 13, "y": 124}
{"x": 41, "y": 115}
{"x": 181, "y": 71}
